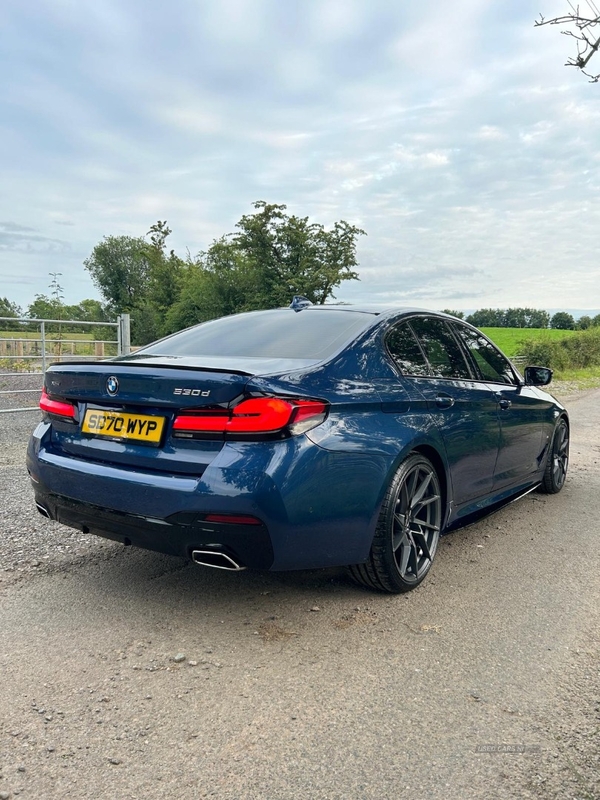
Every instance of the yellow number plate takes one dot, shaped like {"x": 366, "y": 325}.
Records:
{"x": 117, "y": 425}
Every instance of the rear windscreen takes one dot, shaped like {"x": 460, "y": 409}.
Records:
{"x": 281, "y": 333}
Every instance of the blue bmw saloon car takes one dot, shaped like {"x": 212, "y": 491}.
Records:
{"x": 296, "y": 438}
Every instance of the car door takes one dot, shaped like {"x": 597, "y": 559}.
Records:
{"x": 520, "y": 411}
{"x": 464, "y": 409}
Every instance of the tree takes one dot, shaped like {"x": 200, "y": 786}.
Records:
{"x": 221, "y": 281}
{"x": 45, "y": 307}
{"x": 289, "y": 255}
{"x": 562, "y": 321}
{"x": 8, "y": 309}
{"x": 515, "y": 318}
{"x": 526, "y": 318}
{"x": 58, "y": 300}
{"x": 509, "y": 318}
{"x": 584, "y": 322}
{"x": 487, "y": 318}
{"x": 89, "y": 311}
{"x": 231, "y": 283}
{"x": 269, "y": 258}
{"x": 538, "y": 318}
{"x": 165, "y": 276}
{"x": 457, "y": 314}
{"x": 119, "y": 269}
{"x": 596, "y": 321}
{"x": 582, "y": 28}
{"x": 138, "y": 277}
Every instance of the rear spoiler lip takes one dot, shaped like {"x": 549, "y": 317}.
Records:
{"x": 261, "y": 367}
{"x": 126, "y": 364}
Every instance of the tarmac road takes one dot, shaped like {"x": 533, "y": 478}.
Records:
{"x": 301, "y": 685}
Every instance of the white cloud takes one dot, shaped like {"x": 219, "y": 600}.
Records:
{"x": 451, "y": 133}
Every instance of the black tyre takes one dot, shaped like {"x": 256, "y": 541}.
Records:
{"x": 408, "y": 530}
{"x": 558, "y": 460}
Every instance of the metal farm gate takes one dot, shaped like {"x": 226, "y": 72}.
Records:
{"x": 33, "y": 354}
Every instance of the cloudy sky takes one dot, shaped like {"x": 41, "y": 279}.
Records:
{"x": 451, "y": 132}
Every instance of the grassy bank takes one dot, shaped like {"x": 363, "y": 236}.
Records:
{"x": 510, "y": 340}
{"x": 571, "y": 354}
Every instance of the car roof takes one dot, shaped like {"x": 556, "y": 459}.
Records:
{"x": 374, "y": 309}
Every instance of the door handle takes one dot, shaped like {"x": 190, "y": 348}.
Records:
{"x": 444, "y": 401}
{"x": 503, "y": 402}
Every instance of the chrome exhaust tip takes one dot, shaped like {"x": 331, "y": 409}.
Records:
{"x": 216, "y": 559}
{"x": 43, "y": 510}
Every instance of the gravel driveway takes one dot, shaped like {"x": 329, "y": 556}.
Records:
{"x": 126, "y": 674}
{"x": 28, "y": 542}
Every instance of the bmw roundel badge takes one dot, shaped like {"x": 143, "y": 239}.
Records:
{"x": 112, "y": 385}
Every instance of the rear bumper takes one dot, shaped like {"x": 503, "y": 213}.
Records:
{"x": 177, "y": 535}
{"x": 317, "y": 508}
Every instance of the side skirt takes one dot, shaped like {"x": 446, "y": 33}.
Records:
{"x": 480, "y": 513}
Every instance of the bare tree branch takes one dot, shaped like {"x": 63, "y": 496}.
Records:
{"x": 582, "y": 27}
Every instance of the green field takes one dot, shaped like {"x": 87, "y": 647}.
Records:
{"x": 565, "y": 382}
{"x": 508, "y": 339}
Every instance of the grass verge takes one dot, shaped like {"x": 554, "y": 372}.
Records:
{"x": 575, "y": 380}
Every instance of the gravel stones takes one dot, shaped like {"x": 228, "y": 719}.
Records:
{"x": 28, "y": 541}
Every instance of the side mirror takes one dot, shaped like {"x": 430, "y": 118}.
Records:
{"x": 538, "y": 376}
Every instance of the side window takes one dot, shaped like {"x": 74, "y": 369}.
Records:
{"x": 405, "y": 351}
{"x": 490, "y": 362}
{"x": 443, "y": 352}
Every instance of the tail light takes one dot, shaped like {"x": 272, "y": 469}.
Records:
{"x": 59, "y": 408}
{"x": 258, "y": 416}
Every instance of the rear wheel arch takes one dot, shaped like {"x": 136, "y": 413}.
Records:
{"x": 436, "y": 459}
{"x": 409, "y": 525}
{"x": 557, "y": 461}
{"x": 433, "y": 454}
